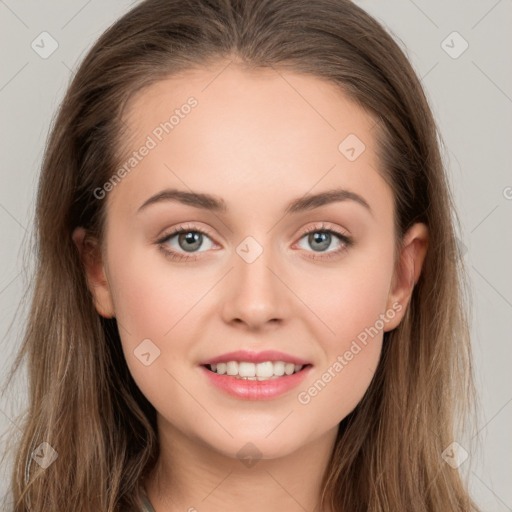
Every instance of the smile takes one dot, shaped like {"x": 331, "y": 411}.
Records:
{"x": 253, "y": 386}
{"x": 255, "y": 371}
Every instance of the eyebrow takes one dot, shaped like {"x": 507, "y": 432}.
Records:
{"x": 217, "y": 204}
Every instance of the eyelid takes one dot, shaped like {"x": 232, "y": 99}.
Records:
{"x": 326, "y": 226}
{"x": 182, "y": 227}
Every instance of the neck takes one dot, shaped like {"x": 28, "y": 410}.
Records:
{"x": 191, "y": 476}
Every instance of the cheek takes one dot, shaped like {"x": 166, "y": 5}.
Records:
{"x": 352, "y": 305}
{"x": 351, "y": 353}
{"x": 156, "y": 301}
{"x": 150, "y": 296}
{"x": 351, "y": 299}
{"x": 145, "y": 309}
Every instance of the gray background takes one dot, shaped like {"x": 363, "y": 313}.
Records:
{"x": 471, "y": 96}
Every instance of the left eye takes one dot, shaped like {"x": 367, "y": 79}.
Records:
{"x": 321, "y": 239}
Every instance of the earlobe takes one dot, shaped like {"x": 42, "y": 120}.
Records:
{"x": 94, "y": 269}
{"x": 408, "y": 269}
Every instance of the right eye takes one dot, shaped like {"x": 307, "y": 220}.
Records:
{"x": 183, "y": 240}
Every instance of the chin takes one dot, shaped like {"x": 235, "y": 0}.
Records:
{"x": 262, "y": 447}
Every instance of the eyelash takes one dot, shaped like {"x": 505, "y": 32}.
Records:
{"x": 175, "y": 256}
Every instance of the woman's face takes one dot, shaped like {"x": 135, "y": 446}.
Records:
{"x": 283, "y": 158}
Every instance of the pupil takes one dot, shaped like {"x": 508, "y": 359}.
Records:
{"x": 193, "y": 240}
{"x": 320, "y": 237}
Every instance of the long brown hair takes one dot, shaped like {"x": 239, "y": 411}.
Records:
{"x": 82, "y": 399}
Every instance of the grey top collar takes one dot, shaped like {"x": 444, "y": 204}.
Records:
{"x": 146, "y": 504}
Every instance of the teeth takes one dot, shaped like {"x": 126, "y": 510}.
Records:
{"x": 279, "y": 368}
{"x": 232, "y": 368}
{"x": 265, "y": 369}
{"x": 256, "y": 371}
{"x": 246, "y": 369}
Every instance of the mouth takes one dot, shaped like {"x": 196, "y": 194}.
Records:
{"x": 249, "y": 375}
{"x": 265, "y": 380}
{"x": 263, "y": 371}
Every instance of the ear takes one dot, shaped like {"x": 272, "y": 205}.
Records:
{"x": 407, "y": 271}
{"x": 91, "y": 258}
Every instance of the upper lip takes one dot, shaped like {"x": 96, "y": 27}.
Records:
{"x": 256, "y": 357}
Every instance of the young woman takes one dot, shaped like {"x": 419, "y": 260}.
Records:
{"x": 189, "y": 346}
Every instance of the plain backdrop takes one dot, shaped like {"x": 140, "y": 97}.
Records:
{"x": 461, "y": 51}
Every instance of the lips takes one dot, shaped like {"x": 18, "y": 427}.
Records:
{"x": 253, "y": 389}
{"x": 256, "y": 357}
{"x": 259, "y": 387}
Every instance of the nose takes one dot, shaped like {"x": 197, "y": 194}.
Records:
{"x": 255, "y": 294}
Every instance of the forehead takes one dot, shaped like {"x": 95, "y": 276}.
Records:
{"x": 242, "y": 97}
{"x": 267, "y": 130}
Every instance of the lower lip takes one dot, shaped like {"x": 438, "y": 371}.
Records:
{"x": 256, "y": 389}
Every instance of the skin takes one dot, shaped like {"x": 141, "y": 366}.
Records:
{"x": 257, "y": 141}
